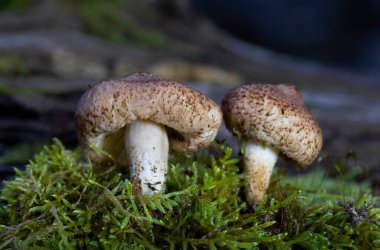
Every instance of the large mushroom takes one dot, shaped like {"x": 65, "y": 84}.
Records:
{"x": 136, "y": 118}
{"x": 272, "y": 119}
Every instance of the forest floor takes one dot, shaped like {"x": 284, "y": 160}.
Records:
{"x": 51, "y": 51}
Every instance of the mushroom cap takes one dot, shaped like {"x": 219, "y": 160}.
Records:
{"x": 192, "y": 120}
{"x": 274, "y": 115}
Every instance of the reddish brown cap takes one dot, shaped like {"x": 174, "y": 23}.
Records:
{"x": 103, "y": 111}
{"x": 276, "y": 116}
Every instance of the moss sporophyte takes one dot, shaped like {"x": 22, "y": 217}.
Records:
{"x": 63, "y": 201}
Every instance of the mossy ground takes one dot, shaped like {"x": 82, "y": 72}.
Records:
{"x": 61, "y": 201}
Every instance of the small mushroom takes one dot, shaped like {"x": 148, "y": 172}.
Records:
{"x": 272, "y": 119}
{"x": 134, "y": 119}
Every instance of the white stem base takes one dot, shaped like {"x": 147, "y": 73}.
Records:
{"x": 259, "y": 161}
{"x": 147, "y": 148}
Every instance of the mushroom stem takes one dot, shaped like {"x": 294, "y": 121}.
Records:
{"x": 147, "y": 148}
{"x": 259, "y": 160}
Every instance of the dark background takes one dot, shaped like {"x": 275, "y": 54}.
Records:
{"x": 339, "y": 33}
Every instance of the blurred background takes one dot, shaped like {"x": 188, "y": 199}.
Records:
{"x": 51, "y": 50}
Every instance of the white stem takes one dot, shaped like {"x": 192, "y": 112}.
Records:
{"x": 259, "y": 160}
{"x": 147, "y": 147}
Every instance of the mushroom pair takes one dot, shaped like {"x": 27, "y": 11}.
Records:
{"x": 136, "y": 118}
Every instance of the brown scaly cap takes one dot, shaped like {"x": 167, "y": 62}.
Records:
{"x": 103, "y": 111}
{"x": 274, "y": 115}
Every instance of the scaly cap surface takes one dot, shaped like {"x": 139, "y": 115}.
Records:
{"x": 192, "y": 119}
{"x": 276, "y": 116}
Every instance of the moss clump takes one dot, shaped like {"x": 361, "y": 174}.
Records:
{"x": 63, "y": 202}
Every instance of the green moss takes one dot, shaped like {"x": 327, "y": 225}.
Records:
{"x": 12, "y": 65}
{"x": 14, "y": 5}
{"x": 29, "y": 90}
{"x": 20, "y": 153}
{"x": 110, "y": 20}
{"x": 61, "y": 201}
{"x": 20, "y": 91}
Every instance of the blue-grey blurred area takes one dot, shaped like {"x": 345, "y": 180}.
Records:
{"x": 339, "y": 32}
{"x": 52, "y": 50}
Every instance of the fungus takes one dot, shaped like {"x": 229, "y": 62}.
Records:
{"x": 272, "y": 119}
{"x": 137, "y": 118}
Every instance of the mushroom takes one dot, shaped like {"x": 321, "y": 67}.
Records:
{"x": 271, "y": 119}
{"x": 134, "y": 119}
